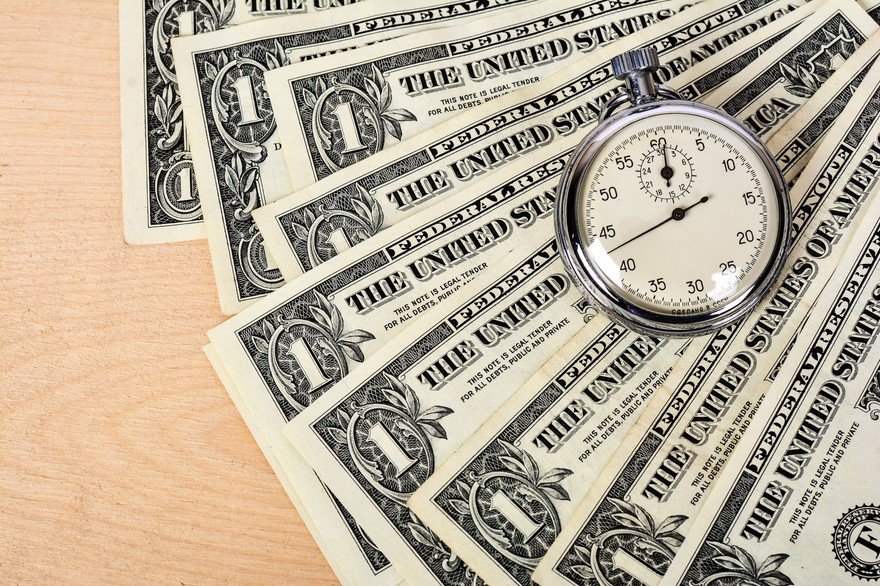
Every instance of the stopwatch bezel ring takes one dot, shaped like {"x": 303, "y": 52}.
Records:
{"x": 590, "y": 280}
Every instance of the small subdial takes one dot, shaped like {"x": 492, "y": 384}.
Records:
{"x": 666, "y": 173}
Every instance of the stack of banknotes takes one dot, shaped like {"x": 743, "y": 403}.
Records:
{"x": 376, "y": 181}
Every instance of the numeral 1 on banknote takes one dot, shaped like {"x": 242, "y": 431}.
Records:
{"x": 161, "y": 201}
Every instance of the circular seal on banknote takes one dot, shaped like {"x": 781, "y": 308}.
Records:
{"x": 856, "y": 542}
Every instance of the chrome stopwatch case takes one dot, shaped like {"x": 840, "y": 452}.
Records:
{"x": 672, "y": 217}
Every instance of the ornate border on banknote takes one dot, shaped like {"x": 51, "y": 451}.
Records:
{"x": 173, "y": 198}
{"x": 161, "y": 197}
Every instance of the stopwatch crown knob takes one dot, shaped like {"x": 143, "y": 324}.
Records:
{"x": 635, "y": 68}
{"x": 644, "y": 59}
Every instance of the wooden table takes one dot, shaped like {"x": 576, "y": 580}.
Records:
{"x": 122, "y": 459}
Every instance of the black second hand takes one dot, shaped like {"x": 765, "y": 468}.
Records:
{"x": 678, "y": 214}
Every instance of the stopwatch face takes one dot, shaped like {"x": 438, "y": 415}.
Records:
{"x": 680, "y": 214}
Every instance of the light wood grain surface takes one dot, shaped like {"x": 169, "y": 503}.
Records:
{"x": 122, "y": 459}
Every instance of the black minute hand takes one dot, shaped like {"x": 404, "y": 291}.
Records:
{"x": 666, "y": 172}
{"x": 678, "y": 214}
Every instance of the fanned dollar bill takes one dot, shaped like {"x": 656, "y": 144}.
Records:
{"x": 564, "y": 416}
{"x": 380, "y": 432}
{"x": 789, "y": 74}
{"x": 235, "y": 156}
{"x": 799, "y": 503}
{"x": 503, "y": 497}
{"x": 289, "y": 348}
{"x": 353, "y": 561}
{"x": 160, "y": 200}
{"x": 353, "y": 556}
{"x": 660, "y": 476}
{"x": 829, "y": 352}
{"x": 312, "y": 226}
{"x": 343, "y": 109}
{"x": 376, "y": 305}
{"x": 282, "y": 351}
{"x": 372, "y": 466}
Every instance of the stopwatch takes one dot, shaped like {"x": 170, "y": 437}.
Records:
{"x": 672, "y": 217}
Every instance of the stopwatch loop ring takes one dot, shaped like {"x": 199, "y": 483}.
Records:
{"x": 624, "y": 97}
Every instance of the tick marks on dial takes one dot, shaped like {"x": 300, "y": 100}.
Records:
{"x": 660, "y": 271}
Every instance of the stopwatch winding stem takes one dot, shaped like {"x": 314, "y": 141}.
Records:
{"x": 636, "y": 68}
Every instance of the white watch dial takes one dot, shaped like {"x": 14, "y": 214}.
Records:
{"x": 680, "y": 214}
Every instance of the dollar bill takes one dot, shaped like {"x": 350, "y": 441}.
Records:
{"x": 314, "y": 225}
{"x": 280, "y": 351}
{"x": 353, "y": 561}
{"x": 343, "y": 109}
{"x": 580, "y": 402}
{"x": 160, "y": 200}
{"x": 668, "y": 463}
{"x": 289, "y": 348}
{"x": 364, "y": 293}
{"x": 374, "y": 475}
{"x": 374, "y": 437}
{"x": 798, "y": 505}
{"x": 503, "y": 497}
{"x": 292, "y": 346}
{"x": 235, "y": 156}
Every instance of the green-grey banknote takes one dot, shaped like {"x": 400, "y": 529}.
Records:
{"x": 341, "y": 110}
{"x": 572, "y": 415}
{"x": 798, "y": 505}
{"x": 160, "y": 199}
{"x": 281, "y": 370}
